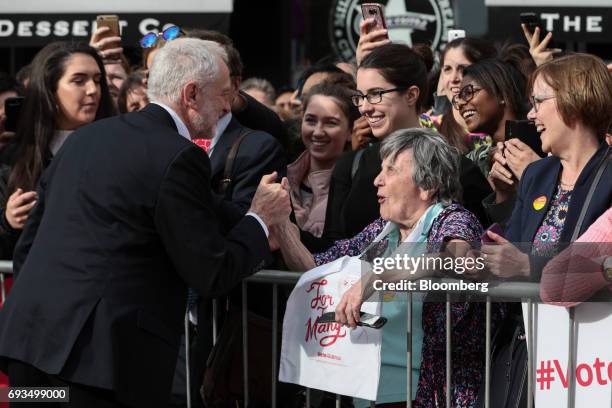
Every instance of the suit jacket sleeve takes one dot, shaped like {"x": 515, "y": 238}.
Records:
{"x": 259, "y": 154}
{"x": 187, "y": 224}
{"x": 26, "y": 239}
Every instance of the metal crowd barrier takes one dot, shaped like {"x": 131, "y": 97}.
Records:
{"x": 526, "y": 291}
{"x": 529, "y": 292}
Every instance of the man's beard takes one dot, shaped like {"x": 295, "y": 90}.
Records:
{"x": 204, "y": 126}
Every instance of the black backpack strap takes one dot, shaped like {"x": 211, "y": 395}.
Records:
{"x": 226, "y": 181}
{"x": 600, "y": 169}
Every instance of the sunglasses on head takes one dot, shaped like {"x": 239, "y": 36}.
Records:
{"x": 169, "y": 34}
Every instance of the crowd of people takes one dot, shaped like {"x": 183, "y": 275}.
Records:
{"x": 127, "y": 191}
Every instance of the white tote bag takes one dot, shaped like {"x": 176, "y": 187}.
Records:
{"x": 328, "y": 356}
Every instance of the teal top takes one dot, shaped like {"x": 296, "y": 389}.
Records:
{"x": 394, "y": 352}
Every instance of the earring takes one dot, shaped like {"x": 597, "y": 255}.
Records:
{"x": 502, "y": 102}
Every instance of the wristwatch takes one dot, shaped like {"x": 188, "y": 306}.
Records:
{"x": 607, "y": 268}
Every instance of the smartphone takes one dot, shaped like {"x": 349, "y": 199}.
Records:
{"x": 454, "y": 34}
{"x": 12, "y": 110}
{"x": 112, "y": 22}
{"x": 365, "y": 319}
{"x": 374, "y": 10}
{"x": 526, "y": 132}
{"x": 496, "y": 228}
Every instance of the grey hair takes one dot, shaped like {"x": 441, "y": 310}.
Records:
{"x": 180, "y": 61}
{"x": 436, "y": 163}
{"x": 260, "y": 84}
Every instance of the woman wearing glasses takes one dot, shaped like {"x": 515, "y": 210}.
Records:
{"x": 391, "y": 90}
{"x": 492, "y": 92}
{"x": 571, "y": 99}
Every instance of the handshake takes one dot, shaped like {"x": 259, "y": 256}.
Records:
{"x": 271, "y": 201}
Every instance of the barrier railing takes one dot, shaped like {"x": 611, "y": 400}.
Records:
{"x": 524, "y": 291}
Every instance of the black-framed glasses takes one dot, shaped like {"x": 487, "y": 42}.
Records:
{"x": 465, "y": 94}
{"x": 536, "y": 100}
{"x": 373, "y": 97}
{"x": 169, "y": 34}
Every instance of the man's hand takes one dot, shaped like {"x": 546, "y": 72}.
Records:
{"x": 18, "y": 208}
{"x": 362, "y": 133}
{"x": 271, "y": 202}
{"x": 371, "y": 40}
{"x": 349, "y": 308}
{"x": 538, "y": 50}
{"x": 519, "y": 156}
{"x": 111, "y": 54}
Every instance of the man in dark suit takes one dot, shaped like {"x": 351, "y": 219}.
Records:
{"x": 124, "y": 222}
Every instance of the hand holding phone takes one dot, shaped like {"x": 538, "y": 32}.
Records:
{"x": 372, "y": 30}
{"x": 375, "y": 11}
{"x": 526, "y": 132}
{"x": 107, "y": 37}
{"x": 533, "y": 29}
{"x": 495, "y": 228}
{"x": 365, "y": 319}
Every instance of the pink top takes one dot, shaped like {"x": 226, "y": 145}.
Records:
{"x": 576, "y": 274}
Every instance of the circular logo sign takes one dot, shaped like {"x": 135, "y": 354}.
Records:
{"x": 409, "y": 22}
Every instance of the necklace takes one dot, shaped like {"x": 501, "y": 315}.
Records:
{"x": 563, "y": 184}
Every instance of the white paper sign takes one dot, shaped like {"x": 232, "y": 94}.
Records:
{"x": 328, "y": 356}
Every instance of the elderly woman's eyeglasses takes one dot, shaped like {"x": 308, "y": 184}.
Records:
{"x": 169, "y": 34}
{"x": 465, "y": 94}
{"x": 536, "y": 100}
{"x": 373, "y": 97}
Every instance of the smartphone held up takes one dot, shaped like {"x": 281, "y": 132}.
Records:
{"x": 375, "y": 11}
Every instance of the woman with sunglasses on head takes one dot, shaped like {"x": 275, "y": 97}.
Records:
{"x": 67, "y": 90}
{"x": 561, "y": 195}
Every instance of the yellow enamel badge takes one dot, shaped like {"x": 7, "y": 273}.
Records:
{"x": 539, "y": 203}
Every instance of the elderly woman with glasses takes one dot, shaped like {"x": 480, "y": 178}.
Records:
{"x": 561, "y": 195}
{"x": 417, "y": 189}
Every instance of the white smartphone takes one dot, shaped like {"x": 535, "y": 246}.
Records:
{"x": 454, "y": 34}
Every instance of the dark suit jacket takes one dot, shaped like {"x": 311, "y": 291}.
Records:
{"x": 258, "y": 154}
{"x": 541, "y": 179}
{"x": 125, "y": 221}
{"x": 258, "y": 116}
{"x": 352, "y": 202}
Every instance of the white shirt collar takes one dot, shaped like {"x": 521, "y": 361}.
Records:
{"x": 219, "y": 130}
{"x": 180, "y": 125}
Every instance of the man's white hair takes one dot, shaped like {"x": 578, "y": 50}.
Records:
{"x": 180, "y": 61}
